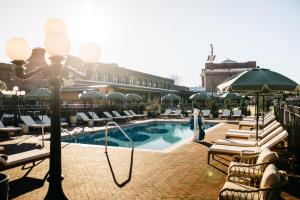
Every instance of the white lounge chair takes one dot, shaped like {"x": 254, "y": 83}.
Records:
{"x": 205, "y": 113}
{"x": 167, "y": 113}
{"x": 46, "y": 120}
{"x": 245, "y": 134}
{"x": 225, "y": 114}
{"x": 31, "y": 123}
{"x": 108, "y": 115}
{"x": 251, "y": 142}
{"x": 9, "y": 130}
{"x": 130, "y": 115}
{"x": 253, "y": 118}
{"x": 217, "y": 149}
{"x": 177, "y": 114}
{"x": 117, "y": 114}
{"x": 23, "y": 158}
{"x": 252, "y": 124}
{"x": 244, "y": 187}
{"x": 138, "y": 115}
{"x": 85, "y": 118}
{"x": 96, "y": 117}
{"x": 237, "y": 114}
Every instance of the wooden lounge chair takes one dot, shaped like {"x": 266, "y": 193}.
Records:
{"x": 245, "y": 134}
{"x": 217, "y": 149}
{"x": 252, "y": 164}
{"x": 23, "y": 158}
{"x": 46, "y": 120}
{"x": 225, "y": 114}
{"x": 237, "y": 114}
{"x": 31, "y": 123}
{"x": 250, "y": 143}
{"x": 252, "y": 124}
{"x": 167, "y": 113}
{"x": 254, "y": 187}
{"x": 117, "y": 114}
{"x": 138, "y": 115}
{"x": 205, "y": 113}
{"x": 9, "y": 130}
{"x": 85, "y": 118}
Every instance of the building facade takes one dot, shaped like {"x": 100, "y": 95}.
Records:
{"x": 215, "y": 73}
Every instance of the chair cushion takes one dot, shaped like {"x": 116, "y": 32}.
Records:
{"x": 237, "y": 195}
{"x": 266, "y": 155}
{"x": 271, "y": 178}
{"x": 236, "y": 167}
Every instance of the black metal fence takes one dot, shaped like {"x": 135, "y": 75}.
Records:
{"x": 289, "y": 117}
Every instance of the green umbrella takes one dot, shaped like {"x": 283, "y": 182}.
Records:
{"x": 170, "y": 97}
{"x": 39, "y": 93}
{"x": 133, "y": 97}
{"x": 200, "y": 96}
{"x": 230, "y": 95}
{"x": 116, "y": 96}
{"x": 258, "y": 81}
{"x": 2, "y": 85}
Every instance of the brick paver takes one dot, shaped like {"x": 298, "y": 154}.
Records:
{"x": 180, "y": 174}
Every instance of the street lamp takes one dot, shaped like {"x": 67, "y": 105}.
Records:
{"x": 57, "y": 45}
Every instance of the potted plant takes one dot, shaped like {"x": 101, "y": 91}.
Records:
{"x": 152, "y": 110}
{"x": 73, "y": 117}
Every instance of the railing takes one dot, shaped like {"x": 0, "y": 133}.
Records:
{"x": 289, "y": 117}
{"x": 66, "y": 131}
{"x": 122, "y": 131}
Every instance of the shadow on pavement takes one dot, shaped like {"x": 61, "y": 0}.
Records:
{"x": 24, "y": 185}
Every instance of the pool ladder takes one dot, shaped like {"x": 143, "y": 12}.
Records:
{"x": 66, "y": 131}
{"x": 122, "y": 131}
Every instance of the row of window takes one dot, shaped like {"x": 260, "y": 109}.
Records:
{"x": 130, "y": 81}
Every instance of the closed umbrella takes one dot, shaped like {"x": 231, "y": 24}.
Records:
{"x": 258, "y": 81}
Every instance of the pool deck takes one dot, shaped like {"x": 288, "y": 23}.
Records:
{"x": 182, "y": 173}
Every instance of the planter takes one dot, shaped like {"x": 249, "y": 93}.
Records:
{"x": 4, "y": 186}
{"x": 91, "y": 123}
{"x": 152, "y": 114}
{"x": 73, "y": 120}
{"x": 145, "y": 113}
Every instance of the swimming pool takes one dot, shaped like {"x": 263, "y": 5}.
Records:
{"x": 152, "y": 135}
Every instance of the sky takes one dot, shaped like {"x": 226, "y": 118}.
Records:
{"x": 167, "y": 37}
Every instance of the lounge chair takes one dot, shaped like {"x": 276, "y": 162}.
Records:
{"x": 205, "y": 113}
{"x": 96, "y": 117}
{"x": 217, "y": 149}
{"x": 237, "y": 114}
{"x": 167, "y": 113}
{"x": 46, "y": 120}
{"x": 138, "y": 115}
{"x": 177, "y": 114}
{"x": 108, "y": 115}
{"x": 252, "y": 124}
{"x": 225, "y": 114}
{"x": 245, "y": 134}
{"x": 253, "y": 118}
{"x": 9, "y": 130}
{"x": 117, "y": 114}
{"x": 252, "y": 164}
{"x": 130, "y": 115}
{"x": 23, "y": 158}
{"x": 31, "y": 123}
{"x": 85, "y": 118}
{"x": 251, "y": 142}
{"x": 240, "y": 186}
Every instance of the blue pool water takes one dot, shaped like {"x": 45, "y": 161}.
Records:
{"x": 154, "y": 135}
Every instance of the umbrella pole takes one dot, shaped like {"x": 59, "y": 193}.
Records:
{"x": 257, "y": 117}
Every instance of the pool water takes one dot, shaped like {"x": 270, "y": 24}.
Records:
{"x": 153, "y": 135}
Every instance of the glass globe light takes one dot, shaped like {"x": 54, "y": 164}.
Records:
{"x": 22, "y": 92}
{"x": 57, "y": 44}
{"x": 17, "y": 48}
{"x": 79, "y": 95}
{"x": 55, "y": 25}
{"x": 15, "y": 88}
{"x": 90, "y": 53}
{"x": 13, "y": 92}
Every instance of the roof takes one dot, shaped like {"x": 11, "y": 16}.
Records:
{"x": 229, "y": 61}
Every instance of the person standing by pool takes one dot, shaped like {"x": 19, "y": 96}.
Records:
{"x": 196, "y": 124}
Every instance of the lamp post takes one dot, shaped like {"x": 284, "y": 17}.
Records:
{"x": 57, "y": 46}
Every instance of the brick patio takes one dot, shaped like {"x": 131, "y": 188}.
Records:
{"x": 180, "y": 174}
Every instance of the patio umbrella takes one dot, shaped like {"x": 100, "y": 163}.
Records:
{"x": 199, "y": 96}
{"x": 171, "y": 97}
{"x": 116, "y": 96}
{"x": 133, "y": 97}
{"x": 91, "y": 95}
{"x": 2, "y": 85}
{"x": 230, "y": 95}
{"x": 258, "y": 81}
{"x": 39, "y": 93}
